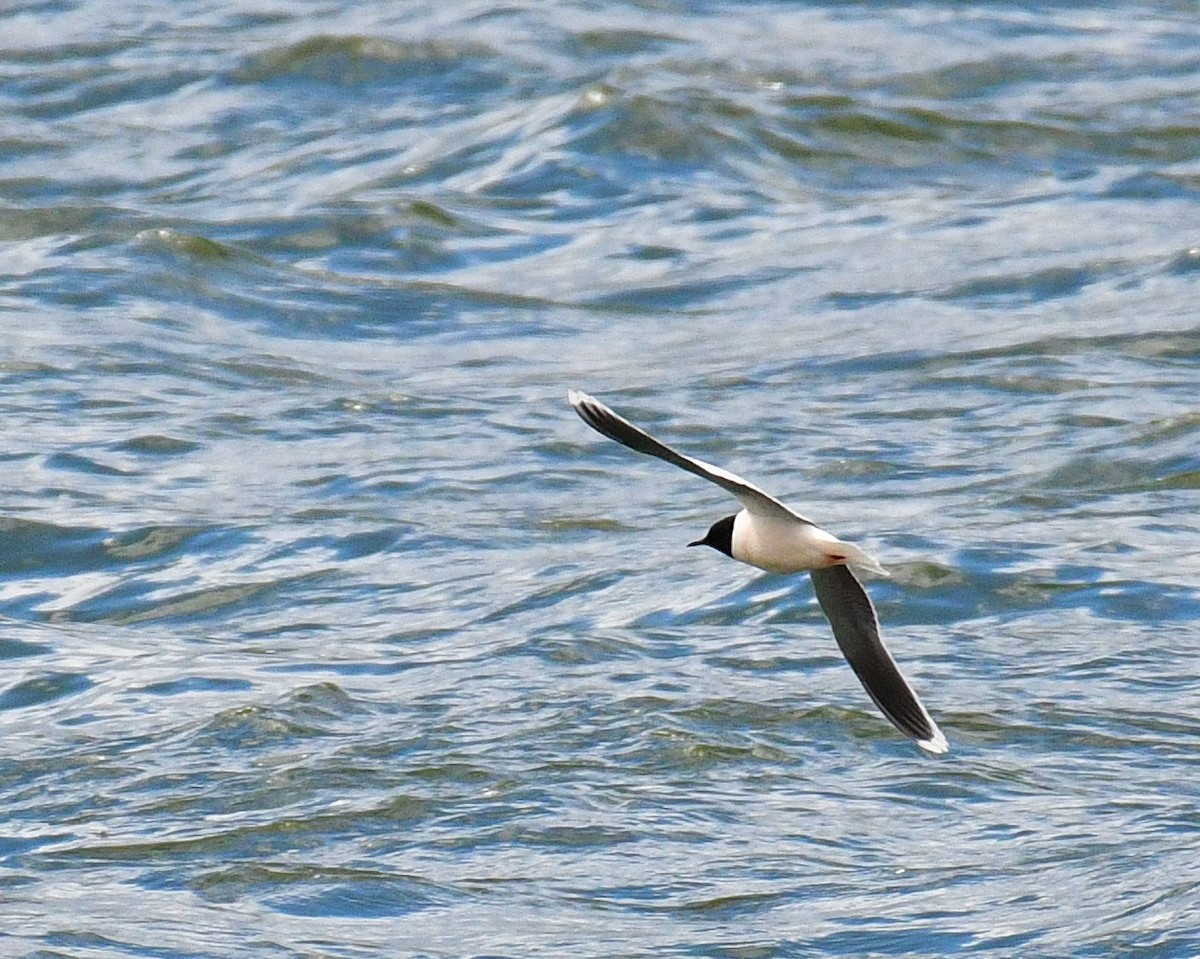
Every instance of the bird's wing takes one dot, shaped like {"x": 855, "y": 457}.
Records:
{"x": 603, "y": 420}
{"x": 856, "y": 629}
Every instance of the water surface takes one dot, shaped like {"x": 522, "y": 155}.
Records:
{"x": 330, "y": 631}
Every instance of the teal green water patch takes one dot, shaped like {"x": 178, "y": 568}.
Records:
{"x": 43, "y": 689}
{"x": 312, "y": 891}
{"x": 17, "y": 649}
{"x": 198, "y": 684}
{"x": 152, "y": 445}
{"x": 32, "y": 547}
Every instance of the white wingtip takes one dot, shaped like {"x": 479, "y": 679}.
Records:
{"x": 576, "y": 397}
{"x": 936, "y": 744}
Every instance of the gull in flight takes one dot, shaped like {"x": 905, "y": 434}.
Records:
{"x": 770, "y": 536}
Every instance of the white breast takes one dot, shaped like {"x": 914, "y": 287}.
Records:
{"x": 780, "y": 545}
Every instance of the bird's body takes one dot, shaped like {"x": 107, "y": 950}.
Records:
{"x": 768, "y": 535}
{"x": 781, "y": 546}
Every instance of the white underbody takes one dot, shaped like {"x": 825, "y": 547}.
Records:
{"x": 781, "y": 545}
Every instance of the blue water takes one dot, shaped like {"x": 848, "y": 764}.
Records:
{"x": 328, "y": 630}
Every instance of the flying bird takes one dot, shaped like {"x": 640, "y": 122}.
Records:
{"x": 770, "y": 536}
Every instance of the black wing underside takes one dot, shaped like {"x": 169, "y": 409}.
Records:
{"x": 856, "y": 629}
{"x": 608, "y": 423}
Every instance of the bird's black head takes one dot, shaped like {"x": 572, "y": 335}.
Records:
{"x": 719, "y": 537}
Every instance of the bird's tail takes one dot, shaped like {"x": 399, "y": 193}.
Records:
{"x": 858, "y": 559}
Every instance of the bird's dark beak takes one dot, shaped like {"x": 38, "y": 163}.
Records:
{"x": 698, "y": 542}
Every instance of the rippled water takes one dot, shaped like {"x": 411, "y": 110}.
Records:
{"x": 329, "y": 630}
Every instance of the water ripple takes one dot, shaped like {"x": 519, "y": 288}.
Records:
{"x": 329, "y": 630}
